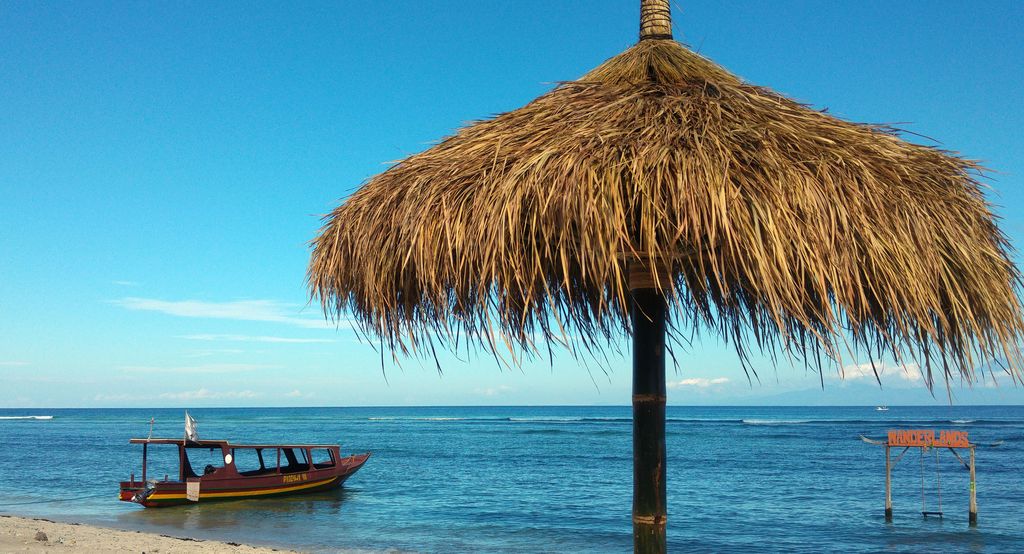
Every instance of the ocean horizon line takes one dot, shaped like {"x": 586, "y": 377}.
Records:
{"x": 465, "y": 406}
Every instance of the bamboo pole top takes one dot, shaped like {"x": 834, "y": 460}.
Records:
{"x": 655, "y": 19}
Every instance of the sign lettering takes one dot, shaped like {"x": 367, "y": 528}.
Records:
{"x": 927, "y": 438}
{"x": 297, "y": 478}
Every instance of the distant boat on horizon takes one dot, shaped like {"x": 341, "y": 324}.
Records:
{"x": 882, "y": 408}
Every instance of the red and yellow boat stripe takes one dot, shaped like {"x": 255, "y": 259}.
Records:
{"x": 158, "y": 497}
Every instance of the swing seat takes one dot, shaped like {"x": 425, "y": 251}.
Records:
{"x": 926, "y": 514}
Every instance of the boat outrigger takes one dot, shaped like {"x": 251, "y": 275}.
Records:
{"x": 234, "y": 471}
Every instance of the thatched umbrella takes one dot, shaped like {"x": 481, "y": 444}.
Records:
{"x": 659, "y": 184}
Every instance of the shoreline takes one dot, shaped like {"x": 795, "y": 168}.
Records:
{"x": 26, "y": 534}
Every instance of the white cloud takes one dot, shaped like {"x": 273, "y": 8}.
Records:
{"x": 248, "y": 338}
{"x": 241, "y": 310}
{"x": 494, "y": 391}
{"x": 14, "y": 364}
{"x": 207, "y": 394}
{"x": 126, "y": 283}
{"x": 62, "y": 381}
{"x": 213, "y": 352}
{"x": 698, "y": 382}
{"x": 116, "y": 397}
{"x": 204, "y": 368}
{"x": 906, "y": 372}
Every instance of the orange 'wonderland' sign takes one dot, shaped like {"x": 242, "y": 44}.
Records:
{"x": 926, "y": 437}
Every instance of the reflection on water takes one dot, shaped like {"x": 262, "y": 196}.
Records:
{"x": 263, "y": 517}
{"x": 951, "y": 532}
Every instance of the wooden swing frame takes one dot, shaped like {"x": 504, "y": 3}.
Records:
{"x": 925, "y": 439}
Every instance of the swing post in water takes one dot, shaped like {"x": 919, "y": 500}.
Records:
{"x": 972, "y": 515}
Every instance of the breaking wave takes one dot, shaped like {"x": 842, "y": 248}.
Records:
{"x": 776, "y": 421}
{"x": 27, "y": 417}
{"x": 597, "y": 421}
{"x": 416, "y": 418}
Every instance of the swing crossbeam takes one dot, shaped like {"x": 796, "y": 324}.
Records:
{"x": 925, "y": 439}
{"x": 897, "y": 460}
{"x": 955, "y": 453}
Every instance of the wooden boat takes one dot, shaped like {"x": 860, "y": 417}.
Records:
{"x": 234, "y": 471}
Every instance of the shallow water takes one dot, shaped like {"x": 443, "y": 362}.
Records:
{"x": 546, "y": 479}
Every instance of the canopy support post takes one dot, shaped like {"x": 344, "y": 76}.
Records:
{"x": 649, "y": 490}
{"x": 972, "y": 515}
{"x": 888, "y": 486}
{"x": 145, "y": 448}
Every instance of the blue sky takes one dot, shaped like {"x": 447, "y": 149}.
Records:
{"x": 163, "y": 166}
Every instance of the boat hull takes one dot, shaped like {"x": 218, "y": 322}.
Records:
{"x": 211, "y": 489}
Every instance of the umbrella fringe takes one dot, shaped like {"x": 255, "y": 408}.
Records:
{"x": 779, "y": 228}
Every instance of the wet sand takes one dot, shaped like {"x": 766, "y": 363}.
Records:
{"x": 18, "y": 534}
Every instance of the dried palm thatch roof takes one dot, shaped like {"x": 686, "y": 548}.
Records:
{"x": 768, "y": 222}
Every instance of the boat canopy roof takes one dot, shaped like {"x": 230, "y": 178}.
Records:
{"x": 223, "y": 443}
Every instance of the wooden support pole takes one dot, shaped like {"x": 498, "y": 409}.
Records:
{"x": 182, "y": 460}
{"x": 145, "y": 448}
{"x": 972, "y": 515}
{"x": 888, "y": 486}
{"x": 649, "y": 490}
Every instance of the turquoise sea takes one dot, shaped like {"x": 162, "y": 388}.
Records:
{"x": 547, "y": 479}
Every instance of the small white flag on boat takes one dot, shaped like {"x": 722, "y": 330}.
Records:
{"x": 190, "y": 428}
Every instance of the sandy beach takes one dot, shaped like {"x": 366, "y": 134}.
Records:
{"x": 18, "y": 534}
